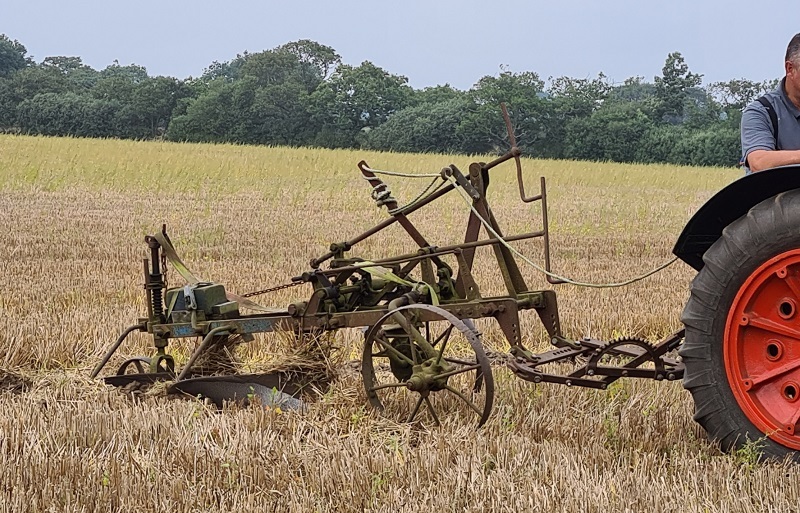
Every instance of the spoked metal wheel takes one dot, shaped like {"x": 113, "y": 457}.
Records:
{"x": 135, "y": 365}
{"x": 145, "y": 365}
{"x": 421, "y": 362}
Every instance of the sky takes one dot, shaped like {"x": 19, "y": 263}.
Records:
{"x": 431, "y": 42}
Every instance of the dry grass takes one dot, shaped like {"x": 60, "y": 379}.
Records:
{"x": 76, "y": 212}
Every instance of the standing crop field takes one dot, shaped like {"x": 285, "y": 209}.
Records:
{"x": 75, "y": 214}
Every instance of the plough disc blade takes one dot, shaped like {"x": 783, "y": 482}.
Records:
{"x": 273, "y": 390}
{"x": 145, "y": 378}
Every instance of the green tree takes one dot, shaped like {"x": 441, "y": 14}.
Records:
{"x": 264, "y": 97}
{"x": 131, "y": 72}
{"x": 227, "y": 71}
{"x": 13, "y": 56}
{"x": 266, "y": 102}
{"x": 271, "y": 67}
{"x": 8, "y": 106}
{"x": 429, "y": 127}
{"x": 67, "y": 114}
{"x": 701, "y": 110}
{"x": 117, "y": 82}
{"x": 277, "y": 115}
{"x": 80, "y": 76}
{"x": 437, "y": 94}
{"x": 579, "y": 96}
{"x": 658, "y": 144}
{"x": 567, "y": 99}
{"x": 634, "y": 89}
{"x": 709, "y": 147}
{"x": 148, "y": 111}
{"x": 142, "y": 104}
{"x": 483, "y": 129}
{"x": 303, "y": 61}
{"x": 354, "y": 99}
{"x": 672, "y": 88}
{"x": 734, "y": 95}
{"x": 213, "y": 116}
{"x": 316, "y": 61}
{"x": 610, "y": 133}
{"x": 64, "y": 64}
{"x": 33, "y": 80}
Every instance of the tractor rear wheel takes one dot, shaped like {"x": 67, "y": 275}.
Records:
{"x": 742, "y": 345}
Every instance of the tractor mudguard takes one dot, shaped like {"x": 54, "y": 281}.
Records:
{"x": 728, "y": 205}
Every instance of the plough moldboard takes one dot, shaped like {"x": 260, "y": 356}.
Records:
{"x": 422, "y": 354}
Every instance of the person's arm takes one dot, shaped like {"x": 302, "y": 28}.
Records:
{"x": 759, "y": 160}
{"x": 758, "y": 141}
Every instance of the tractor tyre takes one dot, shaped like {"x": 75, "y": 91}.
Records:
{"x": 742, "y": 343}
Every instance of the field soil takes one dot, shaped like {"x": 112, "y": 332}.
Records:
{"x": 76, "y": 213}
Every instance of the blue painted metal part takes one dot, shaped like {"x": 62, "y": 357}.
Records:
{"x": 238, "y": 326}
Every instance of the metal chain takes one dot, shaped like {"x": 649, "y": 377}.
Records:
{"x": 273, "y": 289}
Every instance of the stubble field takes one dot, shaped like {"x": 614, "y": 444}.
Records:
{"x": 76, "y": 212}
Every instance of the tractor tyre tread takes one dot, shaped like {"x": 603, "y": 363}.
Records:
{"x": 768, "y": 229}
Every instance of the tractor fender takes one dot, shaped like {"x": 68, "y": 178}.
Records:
{"x": 728, "y": 205}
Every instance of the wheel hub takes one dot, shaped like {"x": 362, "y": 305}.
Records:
{"x": 762, "y": 348}
{"x": 425, "y": 376}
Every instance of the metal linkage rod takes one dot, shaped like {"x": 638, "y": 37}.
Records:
{"x": 315, "y": 263}
{"x": 115, "y": 346}
{"x": 206, "y": 342}
{"x": 439, "y": 251}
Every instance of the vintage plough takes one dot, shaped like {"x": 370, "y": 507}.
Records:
{"x": 423, "y": 356}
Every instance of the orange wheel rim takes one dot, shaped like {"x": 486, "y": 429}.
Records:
{"x": 761, "y": 348}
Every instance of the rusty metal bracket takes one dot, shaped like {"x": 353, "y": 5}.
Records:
{"x": 465, "y": 184}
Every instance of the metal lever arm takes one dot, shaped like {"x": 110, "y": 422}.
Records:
{"x": 529, "y": 199}
{"x": 516, "y": 153}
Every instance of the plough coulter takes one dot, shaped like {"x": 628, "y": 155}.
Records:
{"x": 739, "y": 354}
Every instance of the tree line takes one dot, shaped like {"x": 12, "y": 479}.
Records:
{"x": 301, "y": 94}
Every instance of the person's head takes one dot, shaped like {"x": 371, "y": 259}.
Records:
{"x": 793, "y": 62}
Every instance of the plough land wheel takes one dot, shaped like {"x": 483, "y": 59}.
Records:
{"x": 137, "y": 364}
{"x": 742, "y": 345}
{"x": 420, "y": 363}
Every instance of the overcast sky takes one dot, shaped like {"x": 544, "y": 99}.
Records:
{"x": 430, "y": 42}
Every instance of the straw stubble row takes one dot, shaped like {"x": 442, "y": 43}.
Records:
{"x": 77, "y": 212}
